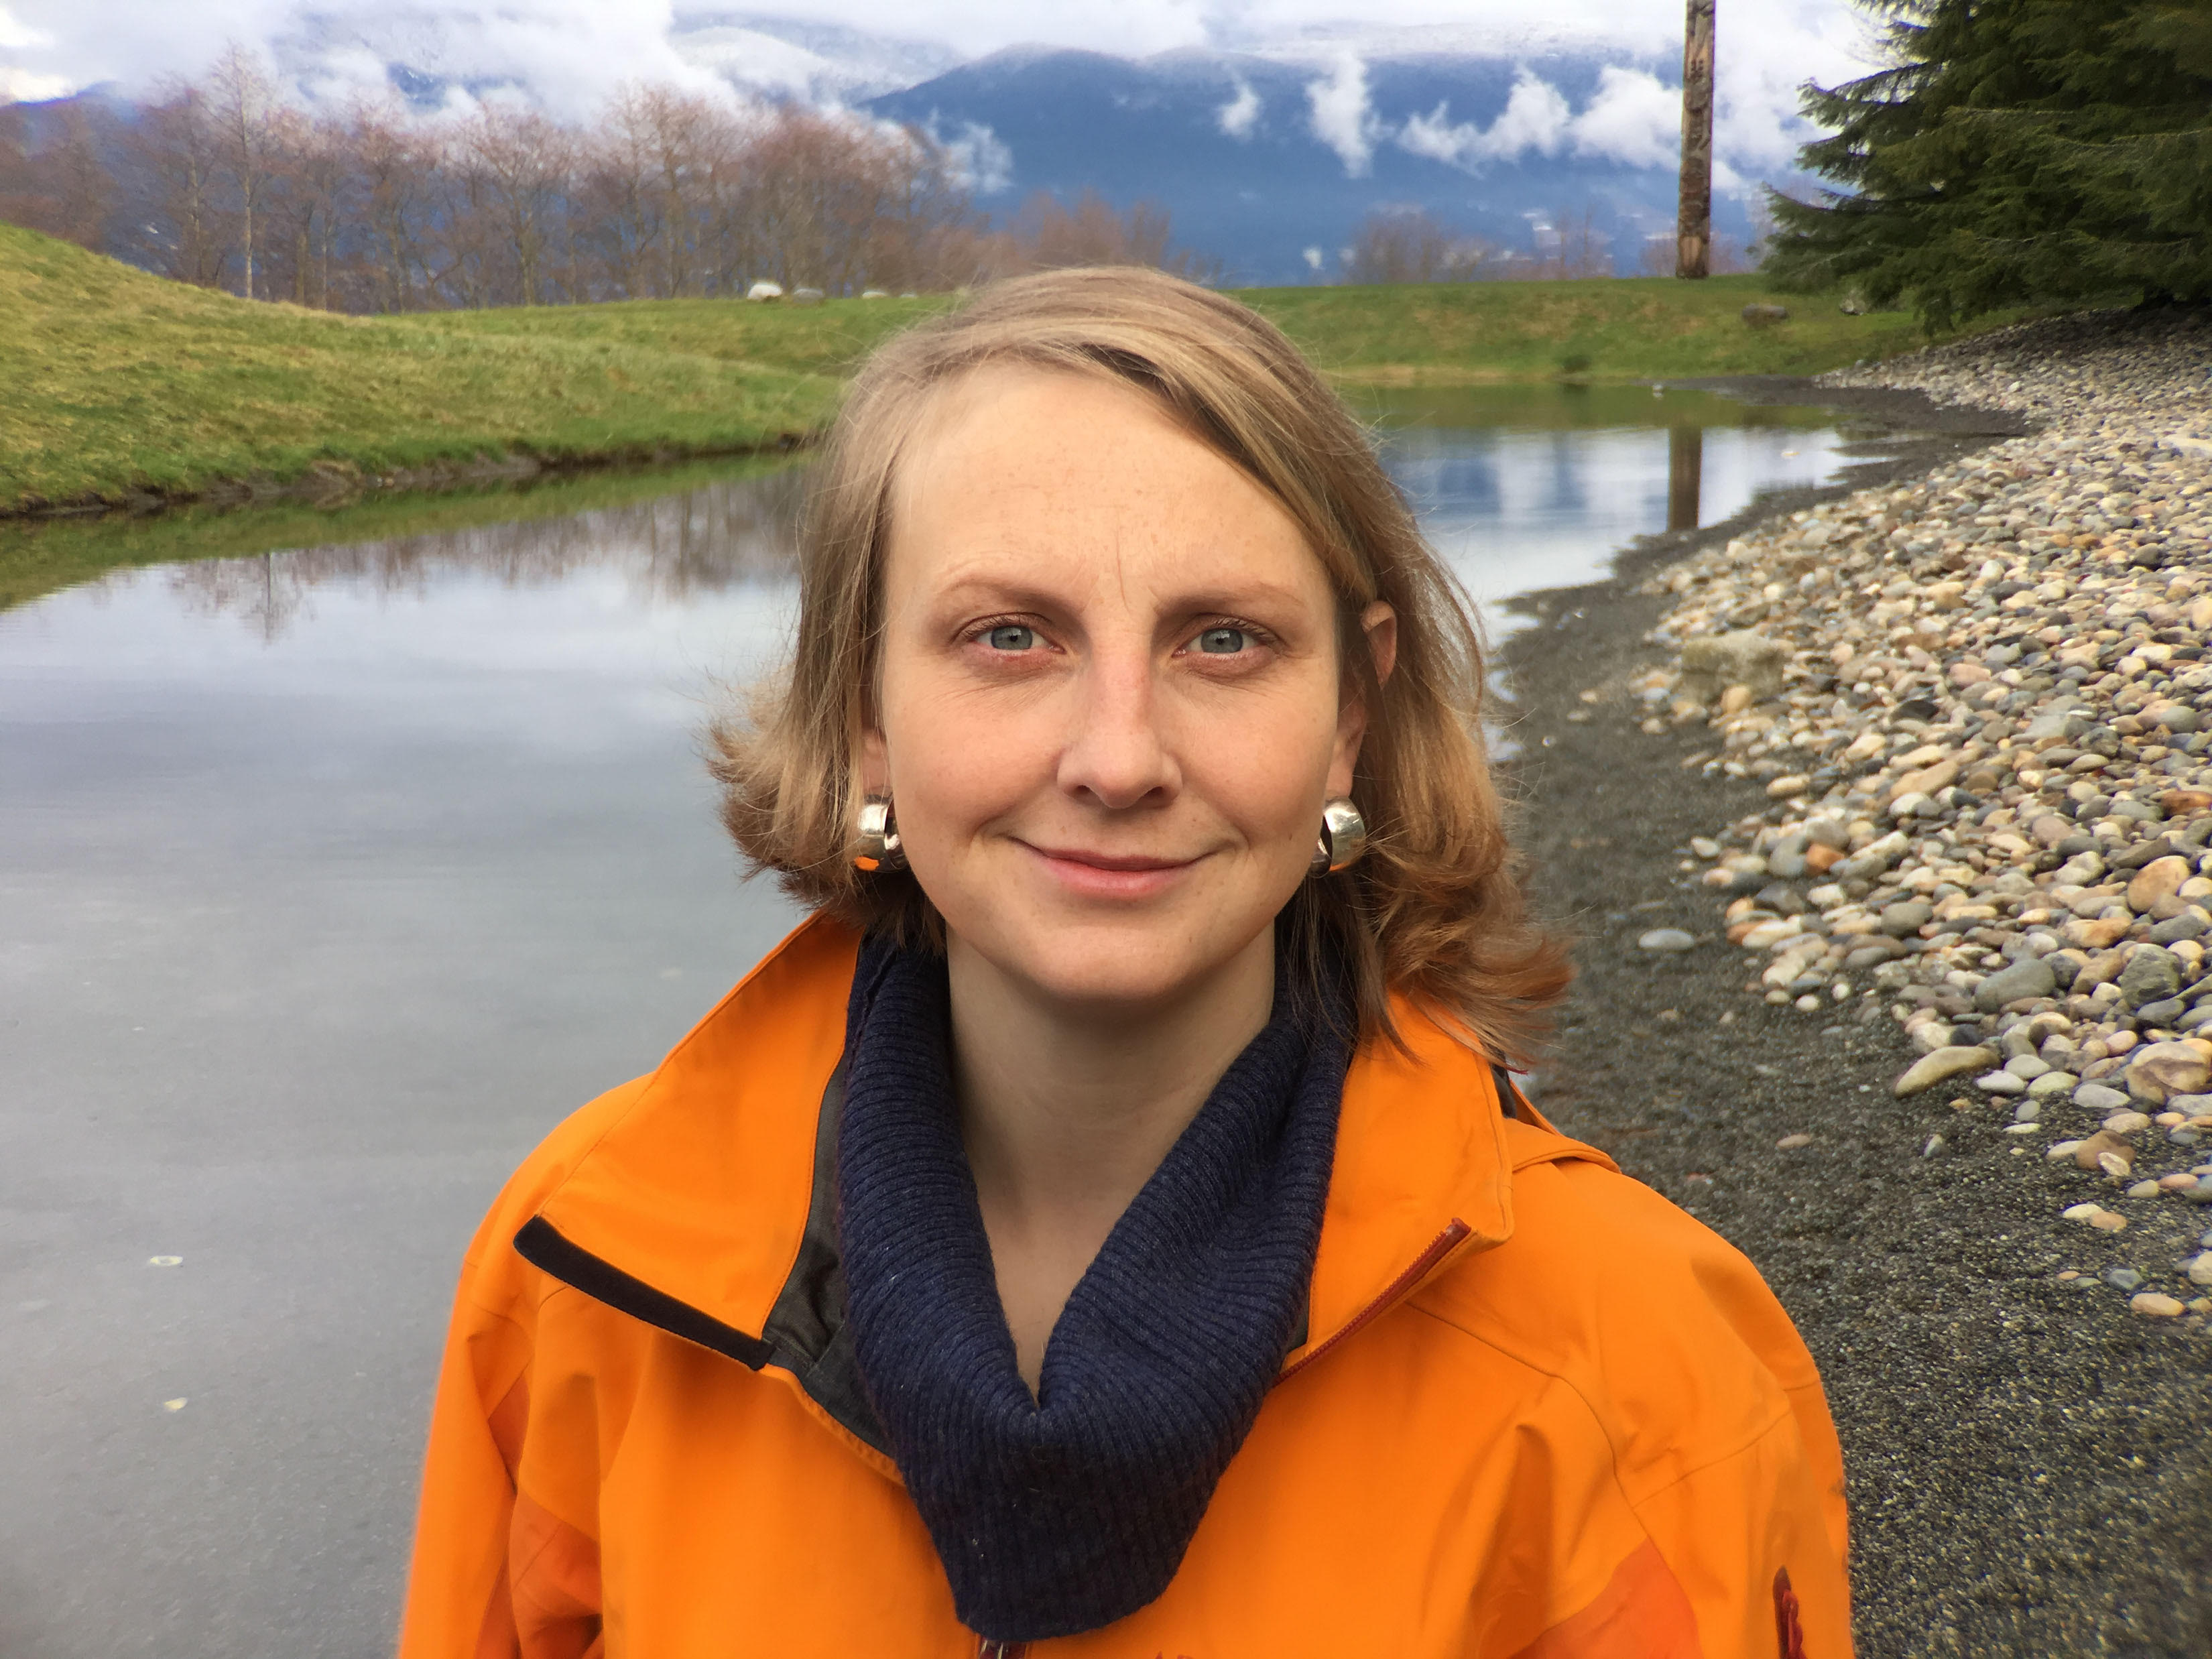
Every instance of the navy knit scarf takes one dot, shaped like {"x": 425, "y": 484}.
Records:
{"x": 1062, "y": 1514}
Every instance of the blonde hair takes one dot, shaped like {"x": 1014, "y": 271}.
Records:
{"x": 1435, "y": 910}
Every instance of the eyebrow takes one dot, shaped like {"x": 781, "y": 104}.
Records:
{"x": 1197, "y": 601}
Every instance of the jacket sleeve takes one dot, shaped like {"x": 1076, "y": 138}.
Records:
{"x": 1716, "y": 1429}
{"x": 1748, "y": 1539}
{"x": 459, "y": 1605}
{"x": 496, "y": 1574}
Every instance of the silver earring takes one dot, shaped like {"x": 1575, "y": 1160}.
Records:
{"x": 880, "y": 837}
{"x": 1343, "y": 838}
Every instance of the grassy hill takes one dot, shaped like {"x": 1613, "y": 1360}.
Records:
{"x": 1602, "y": 329}
{"x": 116, "y": 385}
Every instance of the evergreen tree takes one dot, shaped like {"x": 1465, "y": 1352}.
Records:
{"x": 2013, "y": 152}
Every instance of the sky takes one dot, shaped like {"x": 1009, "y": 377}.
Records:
{"x": 571, "y": 53}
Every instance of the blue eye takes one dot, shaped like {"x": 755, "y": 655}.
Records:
{"x": 1012, "y": 637}
{"x": 1223, "y": 642}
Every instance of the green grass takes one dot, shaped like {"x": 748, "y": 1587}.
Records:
{"x": 116, "y": 385}
{"x": 1603, "y": 329}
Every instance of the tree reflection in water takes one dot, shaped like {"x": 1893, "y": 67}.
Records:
{"x": 715, "y": 536}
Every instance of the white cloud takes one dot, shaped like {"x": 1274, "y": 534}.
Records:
{"x": 1536, "y": 116}
{"x": 1342, "y": 117}
{"x": 1240, "y": 114}
{"x": 1632, "y": 120}
{"x": 981, "y": 161}
{"x": 1313, "y": 257}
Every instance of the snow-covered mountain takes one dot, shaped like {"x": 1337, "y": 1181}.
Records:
{"x": 1268, "y": 162}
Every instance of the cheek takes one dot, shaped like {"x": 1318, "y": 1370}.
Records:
{"x": 958, "y": 759}
{"x": 1264, "y": 767}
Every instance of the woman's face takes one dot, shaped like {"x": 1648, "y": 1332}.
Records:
{"x": 1110, "y": 695}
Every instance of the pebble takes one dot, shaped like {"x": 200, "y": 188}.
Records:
{"x": 2096, "y": 1097}
{"x": 1792, "y": 1143}
{"x": 1975, "y": 711}
{"x": 1668, "y": 939}
{"x": 2124, "y": 1278}
{"x": 1934, "y": 1067}
{"x": 2157, "y": 1304}
{"x": 2200, "y": 1268}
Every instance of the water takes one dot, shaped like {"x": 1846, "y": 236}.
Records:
{"x": 333, "y": 878}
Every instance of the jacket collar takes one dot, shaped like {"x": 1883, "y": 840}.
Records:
{"x": 740, "y": 1122}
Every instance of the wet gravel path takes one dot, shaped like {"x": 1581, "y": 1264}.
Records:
{"x": 2029, "y": 1468}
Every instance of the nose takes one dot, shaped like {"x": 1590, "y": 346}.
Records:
{"x": 1115, "y": 754}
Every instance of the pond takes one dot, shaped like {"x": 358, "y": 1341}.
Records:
{"x": 339, "y": 869}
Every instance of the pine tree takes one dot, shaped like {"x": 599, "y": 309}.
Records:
{"x": 2013, "y": 152}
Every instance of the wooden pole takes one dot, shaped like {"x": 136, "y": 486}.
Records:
{"x": 1693, "y": 230}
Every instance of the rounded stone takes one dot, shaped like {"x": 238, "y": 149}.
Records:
{"x": 2155, "y": 1304}
{"x": 2098, "y": 1098}
{"x": 1669, "y": 939}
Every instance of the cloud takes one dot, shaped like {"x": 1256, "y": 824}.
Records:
{"x": 1343, "y": 118}
{"x": 1240, "y": 114}
{"x": 1313, "y": 258}
{"x": 27, "y": 85}
{"x": 1535, "y": 118}
{"x": 981, "y": 161}
{"x": 1632, "y": 120}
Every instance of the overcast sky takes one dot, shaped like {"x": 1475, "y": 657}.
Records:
{"x": 572, "y": 52}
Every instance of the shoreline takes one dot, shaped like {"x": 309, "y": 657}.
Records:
{"x": 2026, "y": 1469}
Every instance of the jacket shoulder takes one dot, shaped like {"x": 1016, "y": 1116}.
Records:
{"x": 1665, "y": 1331}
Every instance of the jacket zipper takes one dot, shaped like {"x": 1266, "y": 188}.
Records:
{"x": 986, "y": 1649}
{"x": 1440, "y": 1247}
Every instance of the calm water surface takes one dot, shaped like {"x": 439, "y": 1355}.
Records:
{"x": 334, "y": 877}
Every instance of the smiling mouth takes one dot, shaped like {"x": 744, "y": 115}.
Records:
{"x": 1085, "y": 874}
{"x": 1129, "y": 862}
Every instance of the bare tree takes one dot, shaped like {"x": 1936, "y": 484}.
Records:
{"x": 668, "y": 194}
{"x": 392, "y": 167}
{"x": 244, "y": 101}
{"x": 1694, "y": 226}
{"x": 61, "y": 186}
{"x": 1570, "y": 246}
{"x": 185, "y": 228}
{"x": 1413, "y": 246}
{"x": 519, "y": 167}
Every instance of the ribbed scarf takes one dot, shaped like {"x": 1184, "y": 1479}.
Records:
{"x": 1064, "y": 1513}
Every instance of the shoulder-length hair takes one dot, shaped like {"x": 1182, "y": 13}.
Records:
{"x": 1435, "y": 911}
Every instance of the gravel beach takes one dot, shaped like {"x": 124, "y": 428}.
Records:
{"x": 1878, "y": 815}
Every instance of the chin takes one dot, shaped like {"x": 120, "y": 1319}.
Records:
{"x": 1131, "y": 964}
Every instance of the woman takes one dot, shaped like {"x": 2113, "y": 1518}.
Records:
{"x": 1102, "y": 1228}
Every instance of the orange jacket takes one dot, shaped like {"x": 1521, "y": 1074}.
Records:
{"x": 1539, "y": 1414}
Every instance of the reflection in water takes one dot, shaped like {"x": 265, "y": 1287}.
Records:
{"x": 1685, "y": 462}
{"x": 663, "y": 549}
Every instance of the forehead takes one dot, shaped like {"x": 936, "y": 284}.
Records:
{"x": 1016, "y": 462}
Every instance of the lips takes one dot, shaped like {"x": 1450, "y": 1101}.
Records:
{"x": 1087, "y": 874}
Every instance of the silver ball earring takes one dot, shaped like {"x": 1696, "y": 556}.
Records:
{"x": 1343, "y": 838}
{"x": 880, "y": 837}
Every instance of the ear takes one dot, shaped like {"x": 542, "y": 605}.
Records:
{"x": 1379, "y": 622}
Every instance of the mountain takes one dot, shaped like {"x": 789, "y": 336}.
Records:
{"x": 1268, "y": 162}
